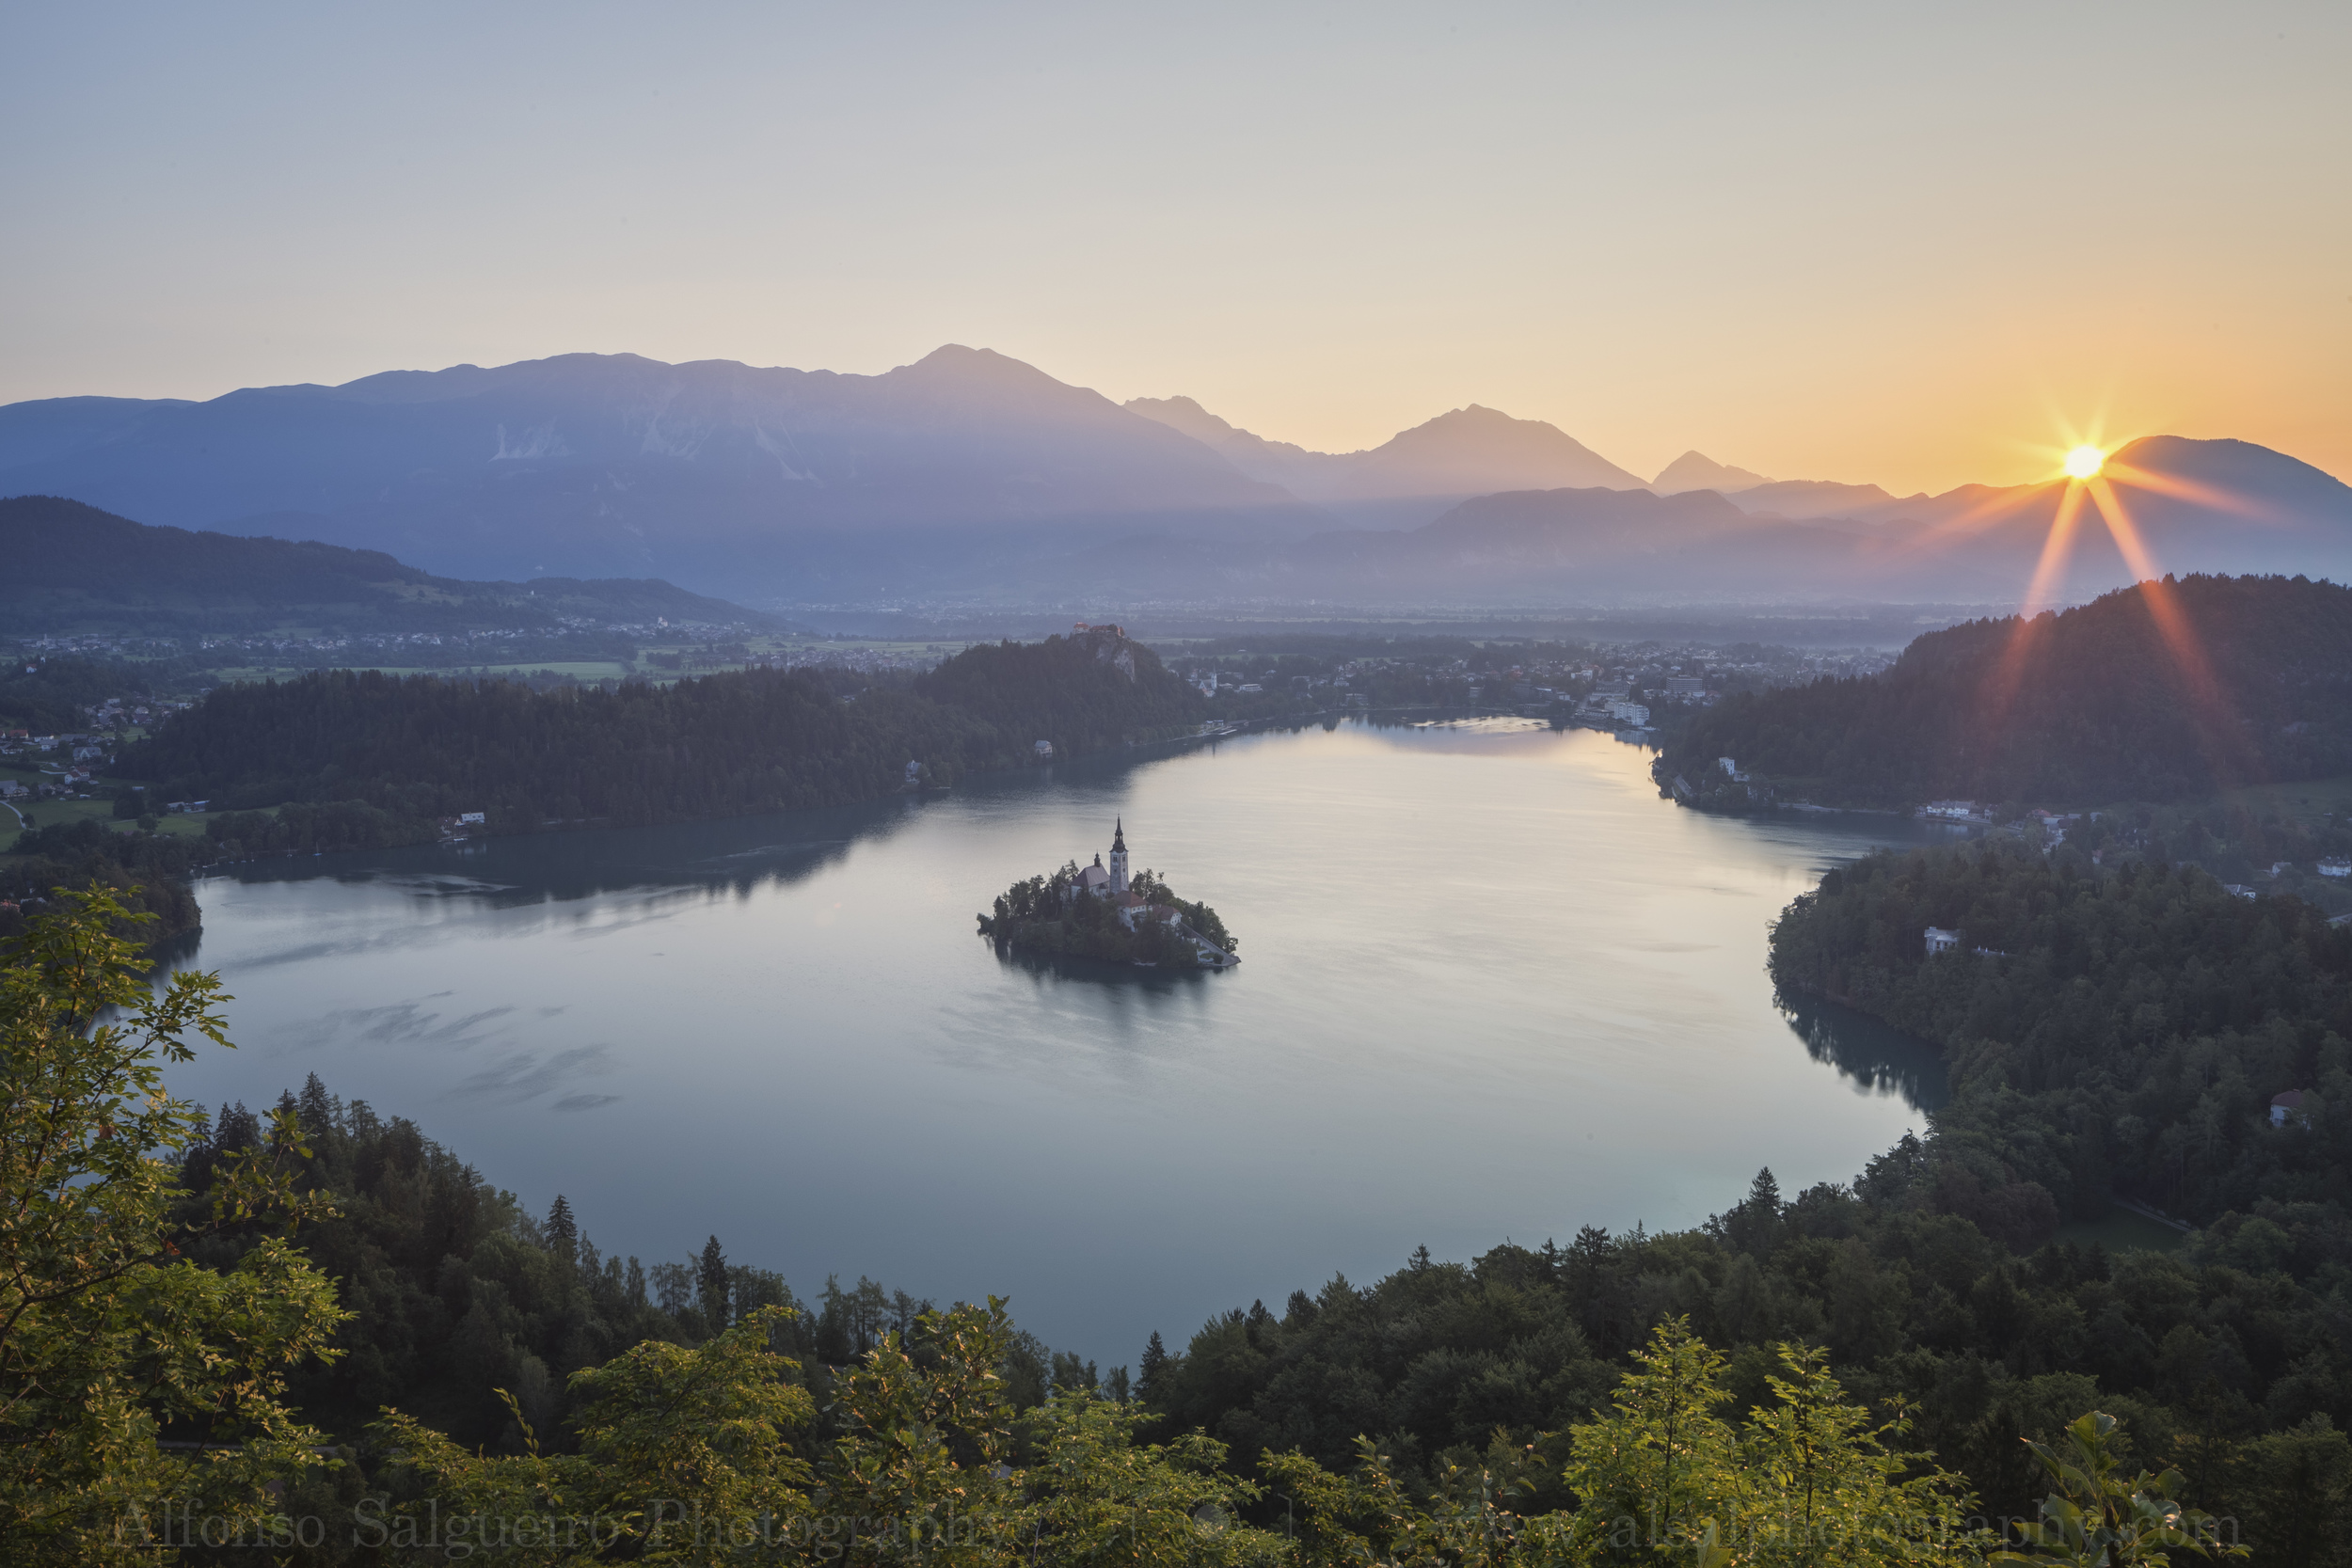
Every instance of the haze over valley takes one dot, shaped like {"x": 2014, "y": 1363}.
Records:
{"x": 969, "y": 477}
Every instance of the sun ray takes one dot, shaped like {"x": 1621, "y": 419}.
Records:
{"x": 2007, "y": 675}
{"x": 2209, "y": 712}
{"x": 1993, "y": 510}
{"x": 2055, "y": 549}
{"x": 2188, "y": 490}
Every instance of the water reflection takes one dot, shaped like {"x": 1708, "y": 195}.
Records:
{"x": 1044, "y": 967}
{"x": 1878, "y": 1057}
{"x": 1484, "y": 959}
{"x": 739, "y": 856}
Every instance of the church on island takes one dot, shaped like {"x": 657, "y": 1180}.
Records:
{"x": 1110, "y": 883}
{"x": 1041, "y": 912}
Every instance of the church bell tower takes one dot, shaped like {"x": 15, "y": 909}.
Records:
{"x": 1118, "y": 858}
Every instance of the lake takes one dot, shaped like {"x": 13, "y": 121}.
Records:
{"x": 1492, "y": 987}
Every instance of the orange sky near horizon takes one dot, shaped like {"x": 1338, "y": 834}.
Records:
{"x": 1819, "y": 241}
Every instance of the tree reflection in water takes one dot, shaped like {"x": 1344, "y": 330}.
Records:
{"x": 1878, "y": 1058}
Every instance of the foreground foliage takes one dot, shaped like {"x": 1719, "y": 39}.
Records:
{"x": 111, "y": 1339}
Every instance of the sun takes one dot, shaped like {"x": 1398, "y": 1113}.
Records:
{"x": 2084, "y": 463}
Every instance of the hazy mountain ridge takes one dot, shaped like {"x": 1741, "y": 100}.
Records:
{"x": 1416, "y": 475}
{"x": 973, "y": 477}
{"x": 1695, "y": 470}
{"x": 74, "y": 568}
{"x": 1602, "y": 546}
{"x": 715, "y": 472}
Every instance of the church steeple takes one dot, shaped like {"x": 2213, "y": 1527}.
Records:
{"x": 1119, "y": 857}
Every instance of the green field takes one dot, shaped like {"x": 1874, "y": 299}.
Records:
{"x": 2309, "y": 803}
{"x": 43, "y": 814}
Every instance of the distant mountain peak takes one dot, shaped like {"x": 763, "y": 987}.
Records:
{"x": 1183, "y": 413}
{"x": 958, "y": 356}
{"x": 2221, "y": 460}
{"x": 1695, "y": 470}
{"x": 1500, "y": 451}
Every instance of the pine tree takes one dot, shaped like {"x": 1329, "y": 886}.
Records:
{"x": 711, "y": 1281}
{"x": 317, "y": 1107}
{"x": 562, "y": 1230}
{"x": 1154, "y": 1363}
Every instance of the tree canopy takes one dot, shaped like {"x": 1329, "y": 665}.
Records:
{"x": 2162, "y": 692}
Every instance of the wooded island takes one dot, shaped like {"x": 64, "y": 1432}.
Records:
{"x": 1099, "y": 911}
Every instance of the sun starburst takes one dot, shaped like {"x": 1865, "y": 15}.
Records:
{"x": 2083, "y": 472}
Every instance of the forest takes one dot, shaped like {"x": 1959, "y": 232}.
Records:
{"x": 2164, "y": 693}
{"x": 147, "y": 871}
{"x": 2108, "y": 1032}
{"x": 421, "y": 749}
{"x": 47, "y": 697}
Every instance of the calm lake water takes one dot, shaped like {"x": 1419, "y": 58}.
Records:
{"x": 1492, "y": 987}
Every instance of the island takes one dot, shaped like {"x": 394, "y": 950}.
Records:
{"x": 1099, "y": 911}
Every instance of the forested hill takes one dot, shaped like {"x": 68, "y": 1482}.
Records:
{"x": 731, "y": 744}
{"x": 1083, "y": 691}
{"x": 2159, "y": 692}
{"x": 2108, "y": 1032}
{"x": 74, "y": 568}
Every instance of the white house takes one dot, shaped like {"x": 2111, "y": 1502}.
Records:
{"x": 1044, "y": 750}
{"x": 2285, "y": 1106}
{"x": 2335, "y": 868}
{"x": 1942, "y": 941}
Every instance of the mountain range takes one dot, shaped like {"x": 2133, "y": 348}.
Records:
{"x": 970, "y": 476}
{"x": 1412, "y": 478}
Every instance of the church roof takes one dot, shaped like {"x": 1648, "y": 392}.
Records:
{"x": 1093, "y": 876}
{"x": 1118, "y": 837}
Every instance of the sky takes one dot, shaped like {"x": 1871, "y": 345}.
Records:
{"x": 1916, "y": 245}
